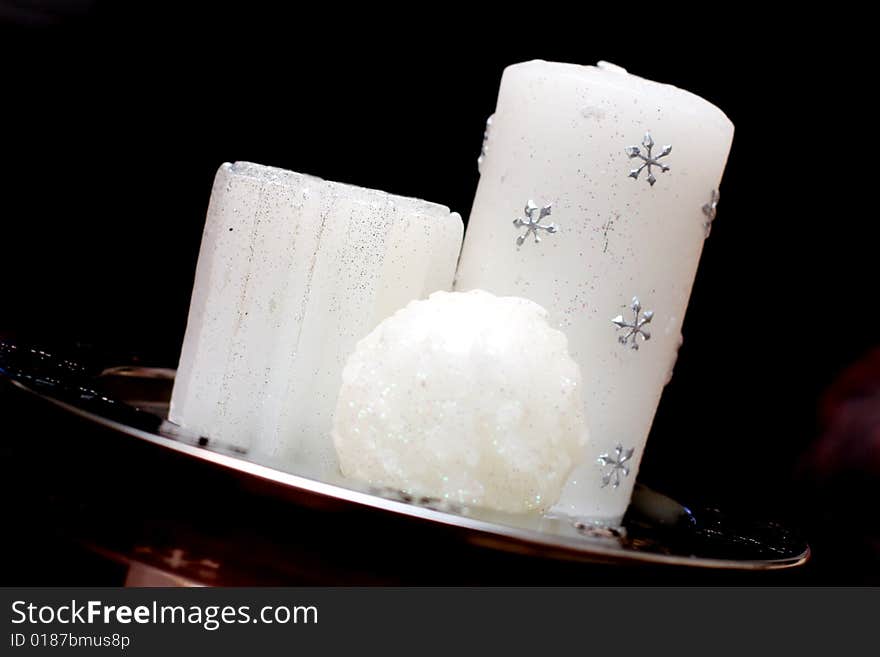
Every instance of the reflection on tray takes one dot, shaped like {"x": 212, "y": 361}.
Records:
{"x": 656, "y": 528}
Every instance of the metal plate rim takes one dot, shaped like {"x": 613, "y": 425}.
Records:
{"x": 486, "y": 533}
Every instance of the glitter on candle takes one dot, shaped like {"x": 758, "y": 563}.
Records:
{"x": 599, "y": 531}
{"x": 616, "y": 464}
{"x": 648, "y": 160}
{"x": 710, "y": 209}
{"x": 532, "y": 222}
{"x": 637, "y": 327}
{"x": 606, "y": 228}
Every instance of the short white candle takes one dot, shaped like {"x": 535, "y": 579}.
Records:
{"x": 563, "y": 138}
{"x": 293, "y": 271}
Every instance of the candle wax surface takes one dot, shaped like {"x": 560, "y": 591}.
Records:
{"x": 293, "y": 270}
{"x": 564, "y": 216}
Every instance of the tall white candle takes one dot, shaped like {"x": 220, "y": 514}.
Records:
{"x": 292, "y": 272}
{"x": 562, "y": 164}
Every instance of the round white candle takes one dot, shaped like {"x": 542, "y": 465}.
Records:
{"x": 293, "y": 271}
{"x": 561, "y": 140}
{"x": 467, "y": 397}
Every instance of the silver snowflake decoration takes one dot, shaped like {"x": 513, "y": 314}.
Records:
{"x": 648, "y": 160}
{"x": 484, "y": 150}
{"x": 617, "y": 465}
{"x": 632, "y": 330}
{"x": 710, "y": 209}
{"x": 532, "y": 222}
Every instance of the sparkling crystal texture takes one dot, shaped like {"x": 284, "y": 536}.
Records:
{"x": 466, "y": 397}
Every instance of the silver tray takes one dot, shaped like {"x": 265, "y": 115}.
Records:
{"x": 131, "y": 401}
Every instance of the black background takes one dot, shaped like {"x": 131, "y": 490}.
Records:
{"x": 115, "y": 120}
